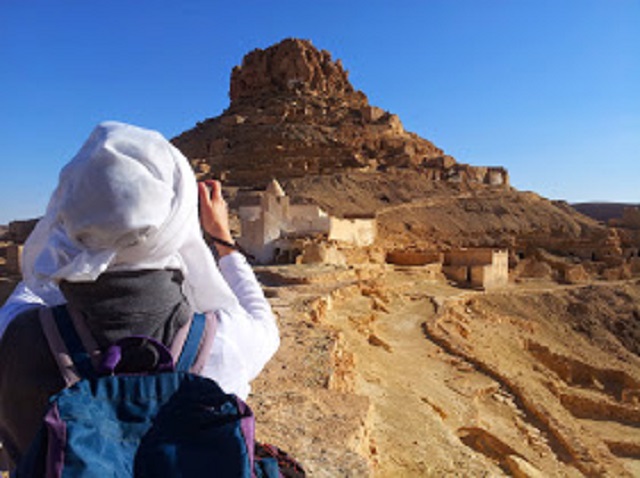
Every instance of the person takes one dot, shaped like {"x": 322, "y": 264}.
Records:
{"x": 121, "y": 245}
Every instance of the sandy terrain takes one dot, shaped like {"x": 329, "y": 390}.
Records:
{"x": 382, "y": 373}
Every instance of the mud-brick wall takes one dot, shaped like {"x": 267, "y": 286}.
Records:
{"x": 469, "y": 257}
{"x": 360, "y": 232}
{"x": 13, "y": 263}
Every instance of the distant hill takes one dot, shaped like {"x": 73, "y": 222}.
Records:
{"x": 602, "y": 211}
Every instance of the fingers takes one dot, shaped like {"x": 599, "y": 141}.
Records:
{"x": 216, "y": 189}
{"x": 203, "y": 193}
{"x": 214, "y": 213}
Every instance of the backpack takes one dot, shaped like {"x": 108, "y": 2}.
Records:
{"x": 158, "y": 420}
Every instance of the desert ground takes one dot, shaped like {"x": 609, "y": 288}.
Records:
{"x": 385, "y": 372}
{"x": 388, "y": 371}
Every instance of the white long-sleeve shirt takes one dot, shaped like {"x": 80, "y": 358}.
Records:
{"x": 246, "y": 335}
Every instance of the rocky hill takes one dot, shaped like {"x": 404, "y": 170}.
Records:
{"x": 603, "y": 211}
{"x": 294, "y": 113}
{"x": 295, "y": 116}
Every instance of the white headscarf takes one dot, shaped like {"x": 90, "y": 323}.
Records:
{"x": 127, "y": 201}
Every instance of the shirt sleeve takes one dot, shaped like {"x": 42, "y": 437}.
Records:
{"x": 247, "y": 335}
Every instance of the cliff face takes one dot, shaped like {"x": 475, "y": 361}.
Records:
{"x": 294, "y": 113}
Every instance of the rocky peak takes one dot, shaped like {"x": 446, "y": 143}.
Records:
{"x": 293, "y": 113}
{"x": 290, "y": 66}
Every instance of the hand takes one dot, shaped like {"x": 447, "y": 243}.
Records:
{"x": 214, "y": 214}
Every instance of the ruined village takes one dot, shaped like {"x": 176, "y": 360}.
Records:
{"x": 435, "y": 321}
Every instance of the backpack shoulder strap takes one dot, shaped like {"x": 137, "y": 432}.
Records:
{"x": 197, "y": 344}
{"x": 65, "y": 343}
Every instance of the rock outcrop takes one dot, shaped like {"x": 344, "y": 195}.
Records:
{"x": 293, "y": 65}
{"x": 294, "y": 113}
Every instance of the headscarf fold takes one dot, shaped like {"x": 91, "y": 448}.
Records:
{"x": 127, "y": 201}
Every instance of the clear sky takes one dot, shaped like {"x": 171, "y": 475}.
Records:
{"x": 549, "y": 89}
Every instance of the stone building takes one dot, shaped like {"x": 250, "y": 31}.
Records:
{"x": 480, "y": 268}
{"x": 275, "y": 227}
{"x": 19, "y": 230}
{"x": 13, "y": 264}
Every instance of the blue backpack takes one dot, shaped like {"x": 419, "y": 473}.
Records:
{"x": 158, "y": 422}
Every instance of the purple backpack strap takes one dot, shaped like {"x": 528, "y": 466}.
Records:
{"x": 89, "y": 343}
{"x": 58, "y": 347}
{"x": 179, "y": 340}
{"x": 69, "y": 371}
{"x": 206, "y": 341}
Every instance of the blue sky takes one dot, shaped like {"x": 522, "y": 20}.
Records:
{"x": 550, "y": 89}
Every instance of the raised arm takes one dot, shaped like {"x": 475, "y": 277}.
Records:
{"x": 247, "y": 336}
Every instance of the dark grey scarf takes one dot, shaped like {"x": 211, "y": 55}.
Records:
{"x": 119, "y": 304}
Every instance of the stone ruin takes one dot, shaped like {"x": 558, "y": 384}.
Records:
{"x": 478, "y": 268}
{"x": 628, "y": 232}
{"x": 13, "y": 259}
{"x": 277, "y": 231}
{"x": 482, "y": 268}
{"x": 13, "y": 239}
{"x": 18, "y": 231}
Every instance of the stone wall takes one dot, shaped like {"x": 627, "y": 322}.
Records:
{"x": 480, "y": 268}
{"x": 321, "y": 253}
{"x": 13, "y": 263}
{"x": 468, "y": 257}
{"x": 402, "y": 257}
{"x": 252, "y": 239}
{"x": 459, "y": 274}
{"x": 359, "y": 232}
{"x": 492, "y": 275}
{"x": 19, "y": 230}
{"x": 308, "y": 219}
{"x": 593, "y": 244}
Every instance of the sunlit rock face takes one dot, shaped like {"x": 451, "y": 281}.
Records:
{"x": 291, "y": 65}
{"x": 294, "y": 113}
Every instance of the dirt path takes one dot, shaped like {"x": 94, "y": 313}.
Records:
{"x": 402, "y": 374}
